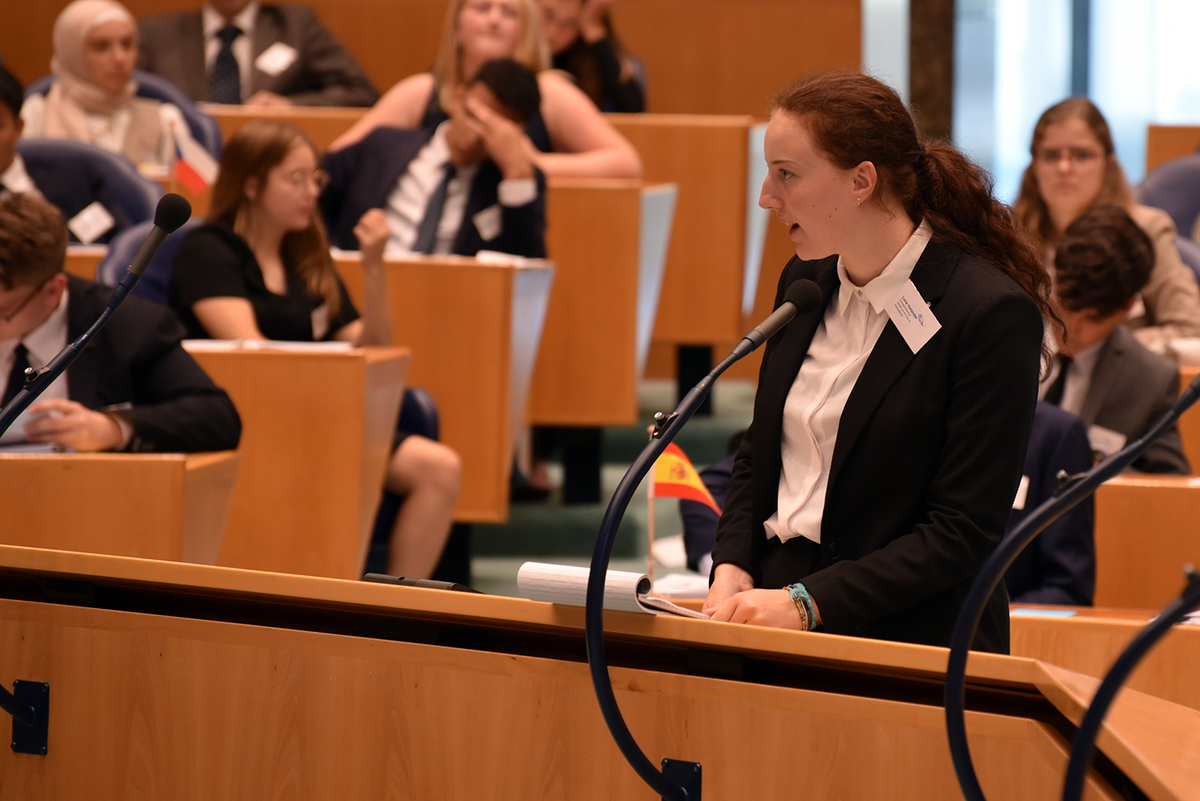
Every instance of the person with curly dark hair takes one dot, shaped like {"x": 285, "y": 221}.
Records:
{"x": 1102, "y": 372}
{"x": 891, "y": 423}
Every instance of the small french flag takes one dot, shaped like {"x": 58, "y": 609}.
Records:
{"x": 195, "y": 168}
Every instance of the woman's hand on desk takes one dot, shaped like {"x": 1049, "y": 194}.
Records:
{"x": 728, "y": 580}
{"x": 772, "y": 608}
{"x": 73, "y": 425}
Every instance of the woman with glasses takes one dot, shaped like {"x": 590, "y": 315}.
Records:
{"x": 260, "y": 269}
{"x": 1075, "y": 169}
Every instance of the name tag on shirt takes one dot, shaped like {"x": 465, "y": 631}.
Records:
{"x": 487, "y": 222}
{"x": 320, "y": 322}
{"x": 276, "y": 58}
{"x": 1022, "y": 494}
{"x": 1104, "y": 441}
{"x": 912, "y": 316}
{"x": 91, "y": 223}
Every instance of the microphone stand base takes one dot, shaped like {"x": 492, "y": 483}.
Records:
{"x": 685, "y": 774}
{"x": 32, "y": 739}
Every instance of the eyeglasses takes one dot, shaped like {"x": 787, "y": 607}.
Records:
{"x": 300, "y": 178}
{"x": 1078, "y": 156}
{"x": 8, "y": 318}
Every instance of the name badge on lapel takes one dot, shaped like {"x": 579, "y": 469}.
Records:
{"x": 912, "y": 317}
{"x": 487, "y": 222}
{"x": 275, "y": 59}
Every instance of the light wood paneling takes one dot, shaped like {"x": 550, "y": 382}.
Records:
{"x": 323, "y": 125}
{"x": 317, "y": 429}
{"x": 154, "y": 506}
{"x": 1166, "y": 142}
{"x": 473, "y": 329}
{"x": 82, "y": 260}
{"x": 705, "y": 56}
{"x": 1092, "y": 639}
{"x": 1189, "y": 422}
{"x": 586, "y": 372}
{"x": 1145, "y": 533}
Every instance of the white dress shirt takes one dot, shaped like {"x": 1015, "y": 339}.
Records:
{"x": 16, "y": 179}
{"x": 406, "y": 204}
{"x": 43, "y": 344}
{"x": 1079, "y": 378}
{"x": 243, "y": 46}
{"x": 853, "y": 322}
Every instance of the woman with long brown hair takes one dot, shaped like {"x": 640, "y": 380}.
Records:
{"x": 1072, "y": 169}
{"x": 890, "y": 424}
{"x": 260, "y": 269}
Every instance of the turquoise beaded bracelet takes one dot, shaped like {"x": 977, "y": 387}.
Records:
{"x": 804, "y": 603}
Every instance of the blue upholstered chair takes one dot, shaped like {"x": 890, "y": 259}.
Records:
{"x": 153, "y": 283}
{"x": 1174, "y": 187}
{"x": 136, "y": 196}
{"x": 205, "y": 130}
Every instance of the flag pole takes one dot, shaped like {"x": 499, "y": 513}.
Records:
{"x": 650, "y": 527}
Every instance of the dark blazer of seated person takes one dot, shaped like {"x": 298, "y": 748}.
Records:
{"x": 151, "y": 395}
{"x": 71, "y": 182}
{"x": 1108, "y": 378}
{"x": 1059, "y": 566}
{"x": 483, "y": 135}
{"x": 319, "y": 72}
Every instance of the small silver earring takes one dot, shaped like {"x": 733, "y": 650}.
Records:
{"x": 859, "y": 201}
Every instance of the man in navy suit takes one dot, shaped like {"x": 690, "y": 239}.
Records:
{"x": 70, "y": 182}
{"x": 461, "y": 187}
{"x": 133, "y": 388}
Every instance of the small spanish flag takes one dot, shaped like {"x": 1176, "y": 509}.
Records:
{"x": 674, "y": 477}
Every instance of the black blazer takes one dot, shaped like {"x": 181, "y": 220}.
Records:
{"x": 137, "y": 359}
{"x": 72, "y": 184}
{"x": 323, "y": 74}
{"x": 1059, "y": 566}
{"x": 363, "y": 175}
{"x": 929, "y": 453}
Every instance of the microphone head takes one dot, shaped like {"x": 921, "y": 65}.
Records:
{"x": 805, "y": 294}
{"x": 172, "y": 211}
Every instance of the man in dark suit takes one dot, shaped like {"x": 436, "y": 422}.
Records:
{"x": 133, "y": 388}
{"x": 1102, "y": 373}
{"x": 70, "y": 182}
{"x": 461, "y": 187}
{"x": 238, "y": 51}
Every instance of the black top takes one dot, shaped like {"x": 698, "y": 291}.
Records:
{"x": 213, "y": 262}
{"x": 535, "y": 126}
{"x": 597, "y": 70}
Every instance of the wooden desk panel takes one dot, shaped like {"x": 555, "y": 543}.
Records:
{"x": 1166, "y": 142}
{"x": 1092, "y": 639}
{"x": 588, "y": 366}
{"x": 228, "y": 702}
{"x": 82, "y": 260}
{"x": 1146, "y": 531}
{"x": 154, "y": 506}
{"x": 1189, "y": 422}
{"x": 474, "y": 330}
{"x": 706, "y": 265}
{"x": 322, "y": 124}
{"x": 317, "y": 429}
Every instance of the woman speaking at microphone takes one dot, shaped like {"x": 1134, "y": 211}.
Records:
{"x": 890, "y": 424}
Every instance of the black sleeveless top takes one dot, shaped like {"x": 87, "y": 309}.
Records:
{"x": 535, "y": 126}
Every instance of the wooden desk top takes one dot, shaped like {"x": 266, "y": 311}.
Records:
{"x": 1154, "y": 742}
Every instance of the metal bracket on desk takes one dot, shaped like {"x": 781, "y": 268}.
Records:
{"x": 685, "y": 774}
{"x": 28, "y": 739}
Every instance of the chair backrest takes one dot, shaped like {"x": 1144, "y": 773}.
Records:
{"x": 125, "y": 245}
{"x": 1189, "y": 251}
{"x": 205, "y": 130}
{"x": 1174, "y": 187}
{"x": 136, "y": 195}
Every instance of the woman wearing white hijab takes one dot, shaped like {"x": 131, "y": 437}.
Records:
{"x": 92, "y": 98}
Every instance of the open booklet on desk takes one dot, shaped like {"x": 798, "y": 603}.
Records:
{"x": 623, "y": 591}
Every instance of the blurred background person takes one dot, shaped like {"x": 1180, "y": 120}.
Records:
{"x": 93, "y": 98}
{"x": 243, "y": 51}
{"x": 583, "y": 45}
{"x": 568, "y": 137}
